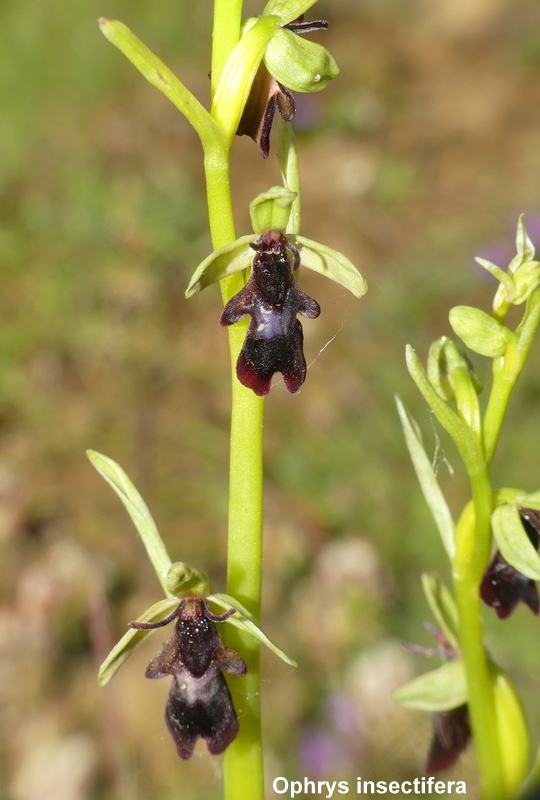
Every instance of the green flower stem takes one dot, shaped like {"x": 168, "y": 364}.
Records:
{"x": 473, "y": 534}
{"x": 226, "y": 33}
{"x": 243, "y": 760}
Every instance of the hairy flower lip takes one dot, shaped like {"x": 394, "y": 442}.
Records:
{"x": 272, "y": 298}
{"x": 199, "y": 704}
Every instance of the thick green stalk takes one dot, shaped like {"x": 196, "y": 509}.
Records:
{"x": 243, "y": 761}
{"x": 473, "y": 537}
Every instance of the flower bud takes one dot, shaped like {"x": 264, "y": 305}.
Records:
{"x": 271, "y": 210}
{"x": 512, "y": 733}
{"x": 300, "y": 65}
{"x": 480, "y": 332}
{"x": 183, "y": 579}
{"x": 445, "y": 359}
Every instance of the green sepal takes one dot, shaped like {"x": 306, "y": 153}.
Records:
{"x": 331, "y": 264}
{"x": 524, "y": 247}
{"x": 440, "y": 690}
{"x": 247, "y": 623}
{"x": 271, "y": 210}
{"x": 183, "y": 580}
{"x": 513, "y": 541}
{"x": 287, "y": 10}
{"x": 480, "y": 332}
{"x": 443, "y": 607}
{"x": 132, "y": 639}
{"x": 427, "y": 480}
{"x": 238, "y": 255}
{"x": 137, "y": 510}
{"x": 526, "y": 280}
{"x": 301, "y": 65}
{"x": 224, "y": 261}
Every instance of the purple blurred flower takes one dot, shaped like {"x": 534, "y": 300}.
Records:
{"x": 319, "y": 753}
{"x": 503, "y": 587}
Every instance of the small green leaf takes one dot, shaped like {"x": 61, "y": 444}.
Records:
{"x": 331, "y": 264}
{"x": 301, "y": 65}
{"x": 441, "y": 690}
{"x": 271, "y": 210}
{"x": 514, "y": 543}
{"x": 287, "y": 10}
{"x": 184, "y": 580}
{"x": 137, "y": 510}
{"x": 225, "y": 261}
{"x": 132, "y": 639}
{"x": 481, "y": 333}
{"x": 442, "y": 606}
{"x": 247, "y": 622}
{"x": 427, "y": 480}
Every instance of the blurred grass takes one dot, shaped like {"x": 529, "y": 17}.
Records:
{"x": 420, "y": 156}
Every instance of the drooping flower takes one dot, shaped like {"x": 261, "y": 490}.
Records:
{"x": 272, "y": 298}
{"x": 199, "y": 703}
{"x": 503, "y": 586}
{"x": 452, "y": 732}
{"x": 278, "y": 73}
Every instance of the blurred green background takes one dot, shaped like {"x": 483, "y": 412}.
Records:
{"x": 419, "y": 157}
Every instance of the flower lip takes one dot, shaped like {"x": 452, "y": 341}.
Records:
{"x": 272, "y": 299}
{"x": 199, "y": 703}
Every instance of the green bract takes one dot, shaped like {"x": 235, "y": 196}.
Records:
{"x": 439, "y": 690}
{"x": 443, "y": 607}
{"x": 427, "y": 479}
{"x": 446, "y": 364}
{"x": 299, "y": 64}
{"x": 178, "y": 580}
{"x": 272, "y": 209}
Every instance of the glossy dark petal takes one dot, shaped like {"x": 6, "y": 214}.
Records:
{"x": 451, "y": 735}
{"x": 503, "y": 587}
{"x": 210, "y": 716}
{"x": 272, "y": 298}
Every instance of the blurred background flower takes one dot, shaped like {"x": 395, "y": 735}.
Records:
{"x": 416, "y": 159}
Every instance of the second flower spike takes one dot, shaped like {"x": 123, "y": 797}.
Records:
{"x": 272, "y": 298}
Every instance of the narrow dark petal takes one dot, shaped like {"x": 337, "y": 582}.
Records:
{"x": 150, "y": 626}
{"x": 307, "y": 27}
{"x": 219, "y": 617}
{"x": 266, "y": 94}
{"x": 451, "y": 735}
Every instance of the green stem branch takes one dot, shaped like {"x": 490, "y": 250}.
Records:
{"x": 243, "y": 760}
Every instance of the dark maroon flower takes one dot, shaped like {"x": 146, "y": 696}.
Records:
{"x": 451, "y": 736}
{"x": 272, "y": 299}
{"x": 267, "y": 95}
{"x": 503, "y": 587}
{"x": 199, "y": 702}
